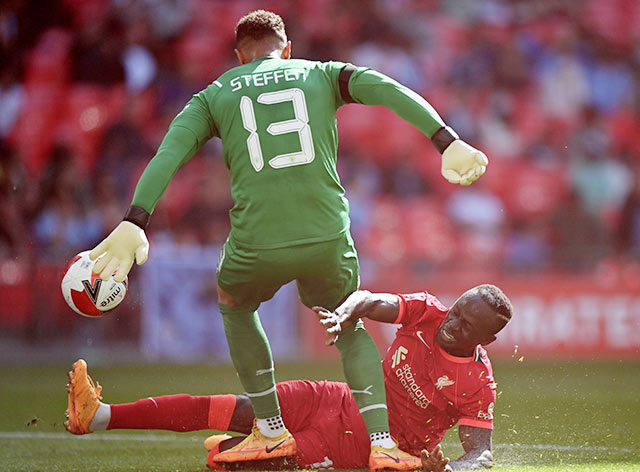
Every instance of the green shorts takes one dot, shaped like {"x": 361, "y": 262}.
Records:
{"x": 325, "y": 272}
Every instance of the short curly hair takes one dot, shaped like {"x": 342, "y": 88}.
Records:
{"x": 260, "y": 24}
{"x": 497, "y": 300}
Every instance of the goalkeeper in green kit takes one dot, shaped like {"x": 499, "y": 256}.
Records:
{"x": 276, "y": 117}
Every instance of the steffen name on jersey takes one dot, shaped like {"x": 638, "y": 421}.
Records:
{"x": 264, "y": 78}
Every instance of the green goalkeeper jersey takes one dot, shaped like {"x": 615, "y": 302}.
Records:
{"x": 277, "y": 122}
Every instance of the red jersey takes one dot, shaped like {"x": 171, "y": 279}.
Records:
{"x": 429, "y": 390}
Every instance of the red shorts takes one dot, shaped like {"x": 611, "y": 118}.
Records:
{"x": 326, "y": 423}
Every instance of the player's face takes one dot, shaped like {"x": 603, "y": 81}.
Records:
{"x": 469, "y": 322}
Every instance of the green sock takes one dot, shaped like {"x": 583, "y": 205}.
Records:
{"x": 251, "y": 356}
{"x": 363, "y": 371}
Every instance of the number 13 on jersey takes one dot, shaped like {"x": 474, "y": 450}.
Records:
{"x": 299, "y": 124}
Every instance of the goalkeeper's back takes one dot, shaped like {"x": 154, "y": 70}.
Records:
{"x": 276, "y": 117}
{"x": 277, "y": 122}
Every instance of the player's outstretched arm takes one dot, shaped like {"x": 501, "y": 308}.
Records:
{"x": 434, "y": 461}
{"x": 461, "y": 163}
{"x": 383, "y": 307}
{"x": 477, "y": 445}
{"x": 189, "y": 130}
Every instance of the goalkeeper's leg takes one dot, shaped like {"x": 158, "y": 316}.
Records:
{"x": 251, "y": 355}
{"x": 252, "y": 359}
{"x": 332, "y": 274}
{"x": 244, "y": 280}
{"x": 363, "y": 371}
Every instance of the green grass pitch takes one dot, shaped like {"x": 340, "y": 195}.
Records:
{"x": 550, "y": 417}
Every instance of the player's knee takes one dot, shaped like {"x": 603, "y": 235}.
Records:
{"x": 226, "y": 298}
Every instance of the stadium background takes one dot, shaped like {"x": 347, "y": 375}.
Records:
{"x": 549, "y": 89}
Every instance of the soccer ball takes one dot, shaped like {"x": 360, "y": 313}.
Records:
{"x": 86, "y": 293}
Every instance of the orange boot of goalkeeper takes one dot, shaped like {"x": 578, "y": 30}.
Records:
{"x": 381, "y": 458}
{"x": 84, "y": 399}
{"x": 257, "y": 446}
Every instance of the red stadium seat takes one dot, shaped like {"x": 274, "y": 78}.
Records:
{"x": 526, "y": 189}
{"x": 15, "y": 294}
{"x": 35, "y": 131}
{"x": 49, "y": 61}
{"x": 90, "y": 110}
{"x": 404, "y": 231}
{"x": 429, "y": 232}
{"x": 386, "y": 239}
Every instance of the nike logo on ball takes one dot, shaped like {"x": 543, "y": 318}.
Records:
{"x": 271, "y": 449}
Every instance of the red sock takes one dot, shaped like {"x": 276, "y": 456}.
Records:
{"x": 171, "y": 412}
{"x": 221, "y": 410}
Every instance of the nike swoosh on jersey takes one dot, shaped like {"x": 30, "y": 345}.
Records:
{"x": 271, "y": 449}
{"x": 419, "y": 334}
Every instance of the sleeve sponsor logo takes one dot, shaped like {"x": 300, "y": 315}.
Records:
{"x": 488, "y": 415}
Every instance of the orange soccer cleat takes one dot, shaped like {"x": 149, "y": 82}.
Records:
{"x": 84, "y": 399}
{"x": 257, "y": 446}
{"x": 392, "y": 459}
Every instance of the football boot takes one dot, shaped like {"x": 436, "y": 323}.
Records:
{"x": 381, "y": 458}
{"x": 257, "y": 446}
{"x": 84, "y": 399}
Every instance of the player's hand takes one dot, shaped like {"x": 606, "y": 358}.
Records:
{"x": 463, "y": 164}
{"x": 484, "y": 461}
{"x": 345, "y": 315}
{"x": 118, "y": 251}
{"x": 331, "y": 324}
{"x": 434, "y": 462}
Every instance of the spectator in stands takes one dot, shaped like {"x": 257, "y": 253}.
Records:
{"x": 628, "y": 230}
{"x": 97, "y": 53}
{"x": 599, "y": 178}
{"x": 11, "y": 95}
{"x": 519, "y": 79}
{"x": 14, "y": 199}
{"x": 578, "y": 238}
{"x": 65, "y": 222}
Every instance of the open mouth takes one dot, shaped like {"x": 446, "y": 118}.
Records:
{"x": 446, "y": 335}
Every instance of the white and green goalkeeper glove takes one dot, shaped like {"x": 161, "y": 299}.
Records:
{"x": 118, "y": 250}
{"x": 461, "y": 163}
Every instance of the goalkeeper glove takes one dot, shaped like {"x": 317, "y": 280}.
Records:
{"x": 126, "y": 242}
{"x": 461, "y": 163}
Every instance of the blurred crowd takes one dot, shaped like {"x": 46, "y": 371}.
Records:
{"x": 548, "y": 89}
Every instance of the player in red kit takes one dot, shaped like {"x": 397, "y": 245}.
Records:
{"x": 436, "y": 373}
